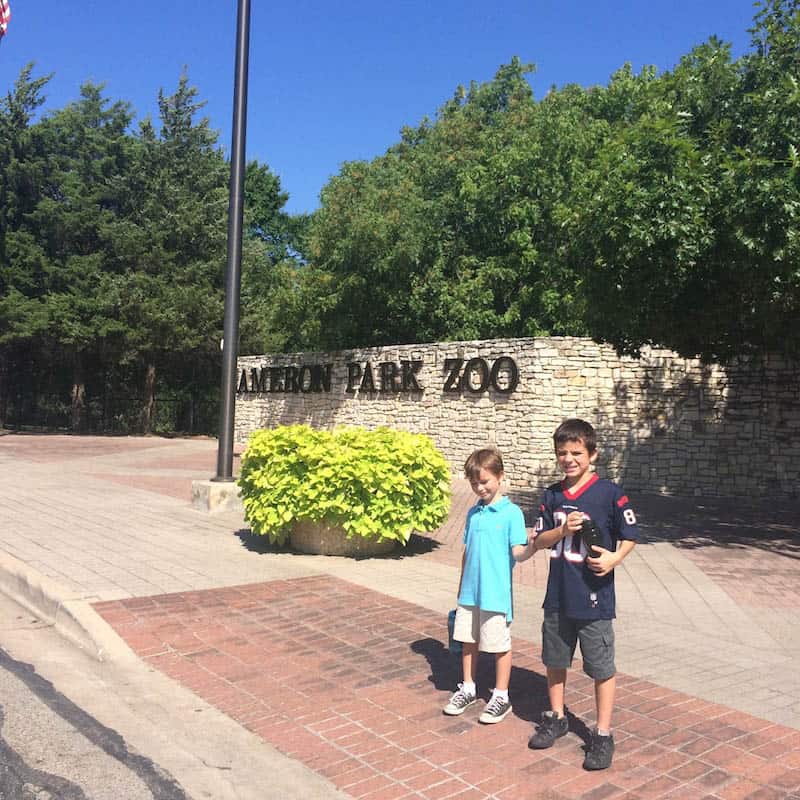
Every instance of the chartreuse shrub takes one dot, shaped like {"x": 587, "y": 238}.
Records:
{"x": 380, "y": 484}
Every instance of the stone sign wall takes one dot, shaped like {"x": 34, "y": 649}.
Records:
{"x": 665, "y": 424}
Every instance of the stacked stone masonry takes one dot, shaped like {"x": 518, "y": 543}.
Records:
{"x": 665, "y": 424}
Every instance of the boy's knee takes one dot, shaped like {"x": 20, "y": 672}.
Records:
{"x": 599, "y": 675}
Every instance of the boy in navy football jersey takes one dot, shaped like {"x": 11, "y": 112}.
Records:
{"x": 579, "y": 604}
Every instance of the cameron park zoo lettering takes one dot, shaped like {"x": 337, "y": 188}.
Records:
{"x": 474, "y": 376}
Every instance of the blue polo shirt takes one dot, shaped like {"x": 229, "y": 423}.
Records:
{"x": 489, "y": 534}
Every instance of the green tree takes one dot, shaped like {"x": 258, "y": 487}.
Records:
{"x": 272, "y": 267}
{"x": 659, "y": 209}
{"x": 113, "y": 252}
{"x": 640, "y": 224}
{"x": 22, "y": 317}
{"x": 458, "y": 230}
{"x": 686, "y": 228}
{"x": 56, "y": 250}
{"x": 169, "y": 287}
{"x": 404, "y": 239}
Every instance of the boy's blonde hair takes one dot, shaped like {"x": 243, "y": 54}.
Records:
{"x": 487, "y": 458}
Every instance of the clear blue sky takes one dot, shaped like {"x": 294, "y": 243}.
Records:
{"x": 335, "y": 80}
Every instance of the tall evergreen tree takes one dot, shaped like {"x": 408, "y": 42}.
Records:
{"x": 22, "y": 317}
{"x": 170, "y": 285}
{"x": 76, "y": 156}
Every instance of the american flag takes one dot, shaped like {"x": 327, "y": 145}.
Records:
{"x": 5, "y": 16}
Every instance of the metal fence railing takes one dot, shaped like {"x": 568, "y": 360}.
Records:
{"x": 120, "y": 415}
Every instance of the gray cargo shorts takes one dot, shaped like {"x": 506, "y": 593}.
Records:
{"x": 560, "y": 634}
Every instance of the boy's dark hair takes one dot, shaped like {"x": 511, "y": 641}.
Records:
{"x": 484, "y": 458}
{"x": 576, "y": 430}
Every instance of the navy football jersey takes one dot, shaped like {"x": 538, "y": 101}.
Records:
{"x": 572, "y": 587}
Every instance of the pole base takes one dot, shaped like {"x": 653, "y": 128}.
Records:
{"x": 216, "y": 495}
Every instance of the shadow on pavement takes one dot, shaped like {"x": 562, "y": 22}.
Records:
{"x": 692, "y": 524}
{"x": 417, "y": 545}
{"x": 261, "y": 545}
{"x": 255, "y": 543}
{"x": 528, "y": 689}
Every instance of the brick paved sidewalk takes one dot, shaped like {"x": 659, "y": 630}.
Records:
{"x": 352, "y": 683}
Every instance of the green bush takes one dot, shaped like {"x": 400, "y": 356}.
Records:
{"x": 381, "y": 484}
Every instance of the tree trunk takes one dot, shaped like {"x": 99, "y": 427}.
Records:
{"x": 148, "y": 398}
{"x": 3, "y": 390}
{"x": 78, "y": 396}
{"x": 107, "y": 423}
{"x": 191, "y": 415}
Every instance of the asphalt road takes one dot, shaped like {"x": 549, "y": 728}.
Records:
{"x": 52, "y": 748}
{"x": 72, "y": 727}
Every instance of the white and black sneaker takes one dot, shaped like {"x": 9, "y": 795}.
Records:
{"x": 496, "y": 710}
{"x": 459, "y": 702}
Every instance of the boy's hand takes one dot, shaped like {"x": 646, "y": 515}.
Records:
{"x": 603, "y": 562}
{"x": 572, "y": 524}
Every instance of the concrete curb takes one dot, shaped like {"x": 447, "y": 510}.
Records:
{"x": 72, "y": 617}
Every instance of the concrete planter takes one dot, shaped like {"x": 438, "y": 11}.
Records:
{"x": 319, "y": 538}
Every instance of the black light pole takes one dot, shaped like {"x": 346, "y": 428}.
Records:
{"x": 233, "y": 271}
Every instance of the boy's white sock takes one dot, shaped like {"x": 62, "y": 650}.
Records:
{"x": 501, "y": 693}
{"x": 468, "y": 688}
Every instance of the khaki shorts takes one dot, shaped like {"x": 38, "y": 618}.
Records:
{"x": 489, "y": 629}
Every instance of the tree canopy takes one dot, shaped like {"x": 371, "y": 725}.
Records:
{"x": 112, "y": 257}
{"x": 659, "y": 209}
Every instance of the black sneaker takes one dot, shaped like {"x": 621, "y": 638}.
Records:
{"x": 459, "y": 702}
{"x": 496, "y": 710}
{"x": 600, "y": 752}
{"x": 551, "y": 728}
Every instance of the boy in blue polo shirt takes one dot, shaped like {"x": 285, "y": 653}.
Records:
{"x": 580, "y": 604}
{"x": 494, "y": 538}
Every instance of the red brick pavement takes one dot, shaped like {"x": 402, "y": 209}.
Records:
{"x": 351, "y": 682}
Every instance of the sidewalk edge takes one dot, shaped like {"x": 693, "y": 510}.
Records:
{"x": 72, "y": 617}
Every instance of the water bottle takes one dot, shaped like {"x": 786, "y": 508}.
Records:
{"x": 452, "y": 645}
